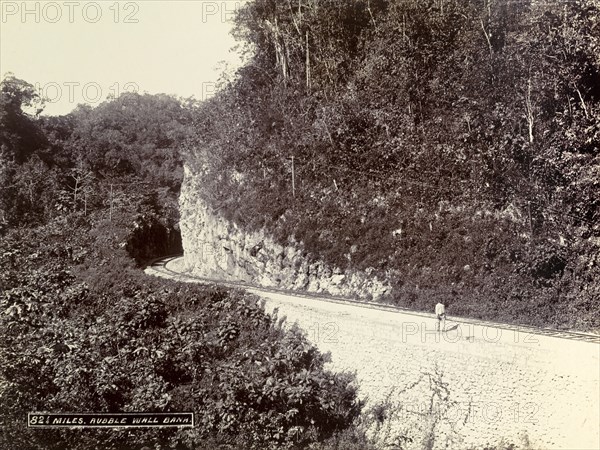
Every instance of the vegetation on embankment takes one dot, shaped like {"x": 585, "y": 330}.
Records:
{"x": 84, "y": 330}
{"x": 453, "y": 147}
{"x": 81, "y": 334}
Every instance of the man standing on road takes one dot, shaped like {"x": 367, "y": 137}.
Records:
{"x": 440, "y": 314}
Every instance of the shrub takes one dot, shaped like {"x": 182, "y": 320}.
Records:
{"x": 116, "y": 340}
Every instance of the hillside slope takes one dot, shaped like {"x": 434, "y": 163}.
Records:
{"x": 451, "y": 150}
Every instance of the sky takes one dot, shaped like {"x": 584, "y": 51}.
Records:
{"x": 83, "y": 51}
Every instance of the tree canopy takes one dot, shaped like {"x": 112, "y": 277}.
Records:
{"x": 422, "y": 133}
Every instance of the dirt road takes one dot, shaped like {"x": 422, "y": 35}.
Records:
{"x": 474, "y": 385}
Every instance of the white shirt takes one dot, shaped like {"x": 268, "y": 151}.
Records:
{"x": 440, "y": 309}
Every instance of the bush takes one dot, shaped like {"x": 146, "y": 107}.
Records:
{"x": 115, "y": 340}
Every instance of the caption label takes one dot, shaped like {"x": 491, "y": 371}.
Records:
{"x": 108, "y": 420}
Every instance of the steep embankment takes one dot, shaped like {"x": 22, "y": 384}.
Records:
{"x": 215, "y": 247}
{"x": 452, "y": 151}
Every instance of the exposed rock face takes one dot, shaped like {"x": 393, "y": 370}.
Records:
{"x": 216, "y": 248}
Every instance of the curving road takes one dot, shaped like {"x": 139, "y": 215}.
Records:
{"x": 475, "y": 385}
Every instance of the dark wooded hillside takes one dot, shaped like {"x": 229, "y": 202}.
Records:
{"x": 450, "y": 145}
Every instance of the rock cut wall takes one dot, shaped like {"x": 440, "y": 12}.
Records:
{"x": 217, "y": 248}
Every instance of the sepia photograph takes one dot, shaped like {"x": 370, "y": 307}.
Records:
{"x": 300, "y": 224}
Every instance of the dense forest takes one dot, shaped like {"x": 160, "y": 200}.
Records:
{"x": 86, "y": 198}
{"x": 111, "y": 156}
{"x": 450, "y": 146}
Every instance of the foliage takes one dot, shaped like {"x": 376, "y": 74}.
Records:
{"x": 122, "y": 153}
{"x": 452, "y": 147}
{"x": 84, "y": 330}
{"x": 20, "y": 135}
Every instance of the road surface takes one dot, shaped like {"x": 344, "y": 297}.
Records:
{"x": 477, "y": 384}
